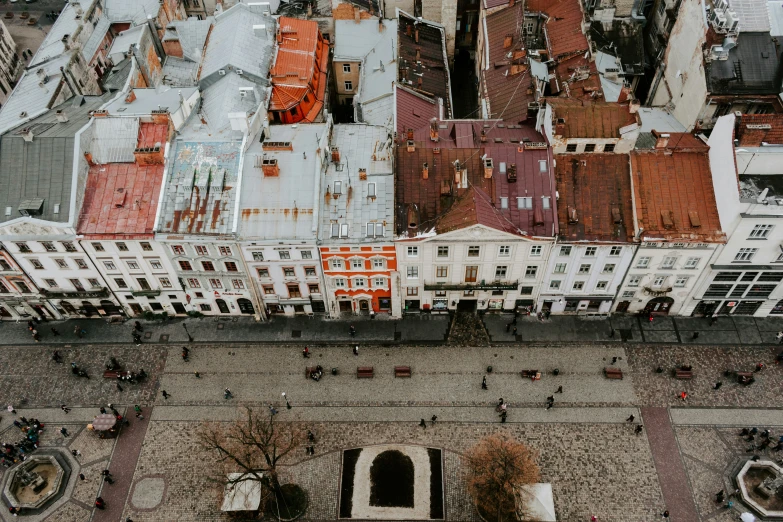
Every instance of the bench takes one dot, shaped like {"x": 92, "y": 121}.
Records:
{"x": 683, "y": 375}
{"x": 364, "y": 372}
{"x": 402, "y": 371}
{"x": 745, "y": 378}
{"x": 613, "y": 373}
{"x": 533, "y": 375}
{"x": 309, "y": 371}
{"x": 112, "y": 374}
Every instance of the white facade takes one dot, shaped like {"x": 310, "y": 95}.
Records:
{"x": 19, "y": 297}
{"x": 10, "y": 64}
{"x": 584, "y": 278}
{"x": 477, "y": 268}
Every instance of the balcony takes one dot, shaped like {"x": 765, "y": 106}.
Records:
{"x": 483, "y": 285}
{"x": 656, "y": 292}
{"x": 145, "y": 293}
{"x": 77, "y": 294}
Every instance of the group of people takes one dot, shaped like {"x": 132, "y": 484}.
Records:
{"x": 14, "y": 452}
{"x": 761, "y": 440}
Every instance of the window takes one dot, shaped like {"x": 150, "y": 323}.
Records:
{"x": 443, "y": 251}
{"x": 554, "y": 284}
{"x": 760, "y": 231}
{"x": 526, "y": 290}
{"x": 585, "y": 268}
{"x": 98, "y": 247}
{"x": 590, "y": 147}
{"x": 3, "y": 288}
{"x": 412, "y": 272}
{"x": 440, "y": 293}
{"x": 194, "y": 283}
{"x": 659, "y": 281}
{"x": 590, "y": 251}
{"x": 504, "y": 251}
{"x": 51, "y": 283}
{"x": 565, "y": 250}
{"x": 691, "y": 263}
{"x": 601, "y": 285}
{"x": 77, "y": 285}
{"x": 258, "y": 256}
{"x": 578, "y": 286}
{"x": 346, "y": 67}
{"x": 560, "y": 268}
{"x": 81, "y": 263}
{"x": 339, "y": 282}
{"x": 771, "y": 276}
{"x": 413, "y": 251}
{"x": 61, "y": 263}
{"x": 307, "y": 254}
{"x": 216, "y": 283}
{"x": 313, "y": 289}
{"x": 337, "y": 264}
{"x": 609, "y": 268}
{"x": 374, "y": 229}
{"x": 231, "y": 266}
{"x": 122, "y": 247}
{"x": 348, "y": 85}
{"x": 609, "y": 147}
{"x": 145, "y": 246}
{"x": 133, "y": 265}
{"x": 208, "y": 266}
{"x": 442, "y": 271}
{"x": 23, "y": 248}
{"x": 760, "y": 290}
{"x": 681, "y": 281}
{"x": 379, "y": 263}
{"x": 48, "y": 246}
{"x": 525, "y": 203}
{"x": 571, "y": 147}
{"x": 201, "y": 250}
{"x": 379, "y": 282}
{"x": 205, "y": 307}
{"x": 643, "y": 262}
{"x": 224, "y": 250}
{"x": 543, "y": 165}
{"x": 500, "y": 272}
{"x": 411, "y": 291}
{"x": 615, "y": 251}
{"x": 503, "y": 202}
{"x": 628, "y": 294}
{"x": 165, "y": 282}
{"x": 668, "y": 262}
{"x": 288, "y": 271}
{"x": 634, "y": 280}
{"x": 263, "y": 272}
{"x": 36, "y": 264}
{"x": 4, "y": 265}
{"x": 68, "y": 246}
{"x": 285, "y": 254}
{"x": 143, "y": 283}
{"x": 745, "y": 254}
{"x": 238, "y": 284}
{"x": 357, "y": 264}
{"x": 185, "y": 265}
{"x": 545, "y": 202}
{"x": 473, "y": 251}
{"x": 535, "y": 251}
{"x": 310, "y": 271}
{"x": 471, "y": 272}
{"x": 531, "y": 271}
{"x": 269, "y": 289}
{"x": 359, "y": 282}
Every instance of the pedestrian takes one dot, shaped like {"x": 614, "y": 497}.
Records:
{"x": 137, "y": 326}
{"x": 54, "y": 331}
{"x": 550, "y": 401}
{"x": 11, "y": 409}
{"x": 695, "y": 336}
{"x": 423, "y": 424}
{"x": 36, "y": 337}
{"x": 185, "y": 353}
{"x": 56, "y": 357}
{"x": 102, "y": 410}
{"x": 66, "y": 410}
{"x": 638, "y": 430}
{"x": 64, "y": 431}
{"x": 306, "y": 352}
{"x": 198, "y": 375}
{"x": 76, "y": 453}
{"x": 503, "y": 415}
{"x": 81, "y": 476}
{"x": 13, "y": 511}
{"x": 713, "y": 320}
{"x": 272, "y": 410}
{"x": 559, "y": 389}
{"x": 484, "y": 383}
{"x": 614, "y": 360}
{"x": 434, "y": 418}
{"x": 352, "y": 330}
{"x": 107, "y": 476}
{"x": 99, "y": 503}
{"x": 665, "y": 514}
{"x": 719, "y": 497}
{"x": 717, "y": 385}
{"x": 683, "y": 396}
{"x": 611, "y": 332}
{"x": 779, "y": 337}
{"x": 165, "y": 395}
{"x": 355, "y": 348}
{"x": 630, "y": 419}
{"x": 514, "y": 331}
{"x": 508, "y": 327}
{"x": 593, "y": 518}
{"x": 310, "y": 436}
{"x": 227, "y": 394}
{"x": 759, "y": 367}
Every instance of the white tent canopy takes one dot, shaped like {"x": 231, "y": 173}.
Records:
{"x": 541, "y": 504}
{"x": 241, "y": 496}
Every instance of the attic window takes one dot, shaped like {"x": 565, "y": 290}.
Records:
{"x": 694, "y": 217}
{"x": 616, "y": 215}
{"x": 498, "y": 140}
{"x": 525, "y": 203}
{"x": 545, "y": 200}
{"x": 609, "y": 147}
{"x": 561, "y": 121}
{"x": 56, "y": 208}
{"x": 503, "y": 202}
{"x": 335, "y": 230}
{"x": 344, "y": 230}
{"x": 8, "y": 211}
{"x": 371, "y": 190}
{"x": 571, "y": 147}
{"x": 590, "y": 147}
{"x": 338, "y": 187}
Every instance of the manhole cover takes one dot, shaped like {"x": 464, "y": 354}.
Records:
{"x": 164, "y": 338}
{"x": 147, "y": 335}
{"x": 220, "y": 326}
{"x": 296, "y": 333}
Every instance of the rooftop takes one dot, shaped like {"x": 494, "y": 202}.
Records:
{"x": 426, "y": 72}
{"x": 123, "y": 42}
{"x": 590, "y": 119}
{"x": 134, "y": 11}
{"x": 225, "y": 97}
{"x": 753, "y": 15}
{"x": 122, "y": 198}
{"x": 674, "y": 196}
{"x": 414, "y": 110}
{"x": 595, "y": 197}
{"x": 201, "y": 188}
{"x": 753, "y": 130}
{"x": 191, "y": 35}
{"x": 753, "y": 67}
{"x": 43, "y": 168}
{"x": 682, "y": 141}
{"x": 147, "y": 100}
{"x": 657, "y": 118}
{"x": 350, "y": 201}
{"x": 282, "y": 203}
{"x": 473, "y": 207}
{"x": 753, "y": 185}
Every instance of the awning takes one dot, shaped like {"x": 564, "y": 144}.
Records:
{"x": 241, "y": 496}
{"x": 540, "y": 503}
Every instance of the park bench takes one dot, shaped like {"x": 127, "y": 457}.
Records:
{"x": 112, "y": 374}
{"x": 533, "y": 375}
{"x": 683, "y": 375}
{"x": 364, "y": 372}
{"x": 402, "y": 371}
{"x": 613, "y": 373}
{"x": 745, "y": 378}
{"x": 309, "y": 371}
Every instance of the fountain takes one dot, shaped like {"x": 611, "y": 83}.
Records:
{"x": 761, "y": 488}
{"x": 34, "y": 483}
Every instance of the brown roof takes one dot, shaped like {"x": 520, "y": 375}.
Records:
{"x": 413, "y": 110}
{"x": 598, "y": 189}
{"x": 564, "y": 26}
{"x": 674, "y": 195}
{"x": 431, "y": 66}
{"x": 346, "y": 11}
{"x": 473, "y": 207}
{"x": 590, "y": 119}
{"x": 754, "y": 129}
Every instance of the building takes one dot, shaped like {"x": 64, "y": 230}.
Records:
{"x": 279, "y": 217}
{"x": 580, "y": 126}
{"x": 19, "y": 297}
{"x": 184, "y": 43}
{"x": 43, "y": 175}
{"x": 355, "y": 233}
{"x": 10, "y": 64}
{"x": 200, "y": 9}
{"x": 744, "y": 277}
{"x": 475, "y": 215}
{"x": 676, "y": 223}
{"x": 595, "y": 246}
{"x": 299, "y": 74}
{"x": 138, "y": 44}
{"x": 364, "y": 64}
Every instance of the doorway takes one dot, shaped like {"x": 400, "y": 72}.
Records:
{"x": 659, "y": 305}
{"x": 179, "y": 308}
{"x": 136, "y": 308}
{"x": 110, "y": 308}
{"x": 345, "y": 306}
{"x": 68, "y": 307}
{"x": 40, "y": 310}
{"x": 466, "y": 305}
{"x": 89, "y": 309}
{"x": 221, "y": 304}
{"x": 622, "y": 307}
{"x": 364, "y": 306}
{"x": 245, "y": 306}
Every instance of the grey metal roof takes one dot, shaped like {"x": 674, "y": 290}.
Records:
{"x": 233, "y": 44}
{"x": 223, "y": 97}
{"x": 53, "y": 46}
{"x": 379, "y": 72}
{"x": 179, "y": 72}
{"x": 353, "y": 41}
{"x": 657, "y": 118}
{"x": 115, "y": 79}
{"x": 283, "y": 207}
{"x": 114, "y": 140}
{"x": 201, "y": 188}
{"x": 135, "y": 11}
{"x": 123, "y": 41}
{"x": 752, "y": 14}
{"x": 775, "y": 12}
{"x": 361, "y": 147}
{"x": 150, "y": 99}
{"x": 94, "y": 41}
{"x": 753, "y": 67}
{"x": 191, "y": 34}
{"x": 646, "y": 140}
{"x": 43, "y": 167}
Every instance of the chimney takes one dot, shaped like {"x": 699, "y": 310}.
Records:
{"x": 661, "y": 139}
{"x": 633, "y": 107}
{"x": 434, "y": 129}
{"x": 418, "y": 83}
{"x": 118, "y": 199}
{"x": 380, "y": 25}
{"x": 335, "y": 155}
{"x": 270, "y": 168}
{"x": 413, "y": 217}
{"x": 483, "y": 137}
{"x": 357, "y": 15}
{"x": 130, "y": 97}
{"x": 418, "y": 54}
{"x": 512, "y": 173}
{"x": 489, "y": 166}
{"x": 27, "y": 134}
{"x": 411, "y": 145}
{"x": 260, "y": 31}
{"x": 408, "y": 30}
{"x": 572, "y": 217}
{"x": 416, "y": 37}
{"x": 425, "y": 171}
{"x": 457, "y": 172}
{"x": 409, "y": 134}
{"x": 507, "y": 41}
{"x": 149, "y": 155}
{"x": 363, "y": 174}
{"x": 88, "y": 157}
{"x": 62, "y": 117}
{"x": 100, "y": 114}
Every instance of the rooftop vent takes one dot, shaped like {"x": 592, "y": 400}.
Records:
{"x": 411, "y": 146}
{"x": 445, "y": 188}
{"x": 434, "y": 129}
{"x": 425, "y": 171}
{"x": 31, "y": 207}
{"x": 694, "y": 217}
{"x": 362, "y": 174}
{"x": 573, "y": 218}
{"x": 335, "y": 155}
{"x": 278, "y": 145}
{"x": 413, "y": 217}
{"x": 616, "y": 217}
{"x": 118, "y": 199}
{"x": 270, "y": 168}
{"x": 62, "y": 117}
{"x": 668, "y": 220}
{"x": 488, "y": 168}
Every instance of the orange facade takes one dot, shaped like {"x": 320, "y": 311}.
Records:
{"x": 353, "y": 274}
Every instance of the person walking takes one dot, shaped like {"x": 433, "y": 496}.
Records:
{"x": 76, "y": 453}
{"x": 630, "y": 419}
{"x": 185, "y": 354}
{"x": 82, "y": 477}
{"x": 165, "y": 395}
{"x": 355, "y": 348}
{"x": 64, "y": 408}
{"x": 56, "y": 357}
{"x": 99, "y": 503}
{"x": 550, "y": 402}
{"x": 198, "y": 375}
{"x": 11, "y": 409}
{"x": 107, "y": 476}
{"x": 55, "y": 332}
{"x": 137, "y": 326}
{"x": 503, "y": 415}
{"x": 717, "y": 385}
{"x": 638, "y": 429}
{"x": 272, "y": 410}
{"x": 559, "y": 389}
{"x": 306, "y": 352}
{"x": 484, "y": 383}
{"x": 64, "y": 431}
{"x": 683, "y": 396}
{"x": 665, "y": 514}
{"x": 227, "y": 394}
{"x": 423, "y": 424}
{"x": 719, "y": 497}
{"x": 352, "y": 330}
{"x": 433, "y": 419}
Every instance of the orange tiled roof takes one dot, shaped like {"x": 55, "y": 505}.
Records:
{"x": 753, "y": 129}
{"x": 564, "y": 26}
{"x": 345, "y": 11}
{"x": 590, "y": 119}
{"x": 295, "y": 64}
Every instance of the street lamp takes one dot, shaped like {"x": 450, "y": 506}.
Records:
{"x": 287, "y": 404}
{"x": 190, "y": 337}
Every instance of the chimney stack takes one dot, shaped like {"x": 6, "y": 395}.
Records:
{"x": 507, "y": 41}
{"x": 425, "y": 171}
{"x": 418, "y": 83}
{"x": 483, "y": 137}
{"x": 661, "y": 139}
{"x": 417, "y": 35}
{"x": 434, "y": 129}
{"x": 62, "y": 117}
{"x": 457, "y": 172}
{"x": 270, "y": 168}
{"x": 418, "y": 54}
{"x": 408, "y": 30}
{"x": 409, "y": 134}
{"x": 380, "y": 25}
{"x": 335, "y": 155}
{"x": 489, "y": 166}
{"x": 130, "y": 97}
{"x": 411, "y": 145}
{"x": 357, "y": 15}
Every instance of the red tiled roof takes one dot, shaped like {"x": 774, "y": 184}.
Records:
{"x": 751, "y": 130}
{"x": 564, "y": 26}
{"x": 473, "y": 207}
{"x": 346, "y": 11}
{"x": 296, "y": 63}
{"x": 151, "y": 134}
{"x": 676, "y": 186}
{"x": 598, "y": 187}
{"x": 590, "y": 119}
{"x": 413, "y": 110}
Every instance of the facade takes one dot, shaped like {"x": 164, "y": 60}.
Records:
{"x": 279, "y": 217}
{"x": 10, "y": 64}
{"x": 355, "y": 233}
{"x": 577, "y": 126}
{"x": 19, "y": 298}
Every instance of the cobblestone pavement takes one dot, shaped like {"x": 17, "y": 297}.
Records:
{"x": 574, "y": 458}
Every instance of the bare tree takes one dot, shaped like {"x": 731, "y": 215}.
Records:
{"x": 497, "y": 468}
{"x": 253, "y": 446}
